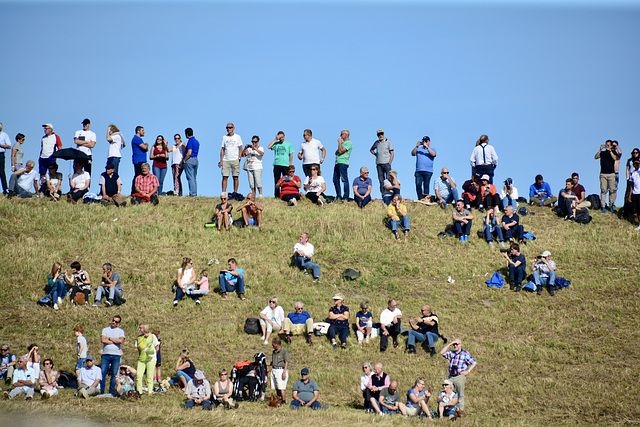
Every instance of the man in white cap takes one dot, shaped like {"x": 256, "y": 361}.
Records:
{"x": 460, "y": 365}
{"x": 48, "y": 145}
{"x": 85, "y": 140}
{"x": 198, "y": 392}
{"x": 544, "y": 272}
{"x": 339, "y": 320}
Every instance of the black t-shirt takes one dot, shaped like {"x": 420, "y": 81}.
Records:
{"x": 424, "y": 328}
{"x": 607, "y": 162}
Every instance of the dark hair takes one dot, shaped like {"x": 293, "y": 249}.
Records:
{"x": 515, "y": 246}
{"x": 575, "y": 174}
{"x": 255, "y": 137}
{"x": 188, "y": 132}
{"x": 568, "y": 180}
{"x": 108, "y": 265}
{"x": 138, "y": 128}
{"x": 20, "y": 136}
{"x": 47, "y": 360}
{"x": 233, "y": 260}
{"x": 308, "y": 131}
{"x": 76, "y": 265}
{"x": 277, "y": 340}
{"x": 539, "y": 178}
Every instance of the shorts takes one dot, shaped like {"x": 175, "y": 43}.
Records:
{"x": 43, "y": 164}
{"x": 231, "y": 166}
{"x": 158, "y": 358}
{"x": 635, "y": 202}
{"x": 277, "y": 383}
{"x": 80, "y": 363}
{"x": 414, "y": 411}
{"x": 448, "y": 410}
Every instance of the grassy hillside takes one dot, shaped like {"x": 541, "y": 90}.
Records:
{"x": 542, "y": 360}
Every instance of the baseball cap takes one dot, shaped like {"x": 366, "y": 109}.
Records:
{"x": 546, "y": 254}
{"x": 304, "y": 371}
{"x": 90, "y": 357}
{"x": 380, "y": 131}
{"x": 86, "y": 122}
{"x": 426, "y": 138}
{"x": 48, "y": 125}
{"x": 485, "y": 176}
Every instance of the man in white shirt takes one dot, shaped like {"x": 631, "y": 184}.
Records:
{"x": 86, "y": 140}
{"x": 230, "y": 157}
{"x": 309, "y": 154}
{"x": 390, "y": 319}
{"x": 89, "y": 379}
{"x": 302, "y": 253}
{"x": 23, "y": 180}
{"x": 48, "y": 145}
{"x": 484, "y": 158}
{"x": 5, "y": 144}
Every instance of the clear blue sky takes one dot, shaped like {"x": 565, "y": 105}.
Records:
{"x": 548, "y": 81}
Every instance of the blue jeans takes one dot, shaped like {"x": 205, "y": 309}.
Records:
{"x": 514, "y": 232}
{"x": 109, "y": 361}
{"x": 383, "y": 173}
{"x": 295, "y": 404}
{"x": 180, "y": 294}
{"x": 226, "y": 287}
{"x": 191, "y": 170}
{"x": 362, "y": 202}
{"x": 418, "y": 336}
{"x": 110, "y": 292}
{"x": 160, "y": 174}
{"x": 205, "y": 404}
{"x": 452, "y": 197}
{"x": 58, "y": 290}
{"x": 404, "y": 222}
{"x": 175, "y": 380}
{"x": 497, "y": 232}
{"x": 340, "y": 174}
{"x": 551, "y": 280}
{"x": 509, "y": 201}
{"x": 462, "y": 229}
{"x": 115, "y": 161}
{"x": 423, "y": 179}
{"x": 516, "y": 274}
{"x": 303, "y": 263}
{"x": 342, "y": 331}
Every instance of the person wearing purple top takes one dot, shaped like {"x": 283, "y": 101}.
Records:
{"x": 190, "y": 161}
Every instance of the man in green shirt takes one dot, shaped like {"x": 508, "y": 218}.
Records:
{"x": 342, "y": 165}
{"x": 283, "y": 158}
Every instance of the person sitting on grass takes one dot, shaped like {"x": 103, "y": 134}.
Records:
{"x": 80, "y": 281}
{"x": 490, "y": 197}
{"x": 462, "y": 219}
{"x": 8, "y": 363}
{"x": 509, "y": 195}
{"x": 299, "y": 322}
{"x": 289, "y": 187}
{"x": 472, "y": 193}
{"x": 48, "y": 380}
{"x": 232, "y": 280}
{"x": 185, "y": 281}
{"x": 223, "y": 390}
{"x": 447, "y": 401}
{"x": 391, "y": 187}
{"x": 185, "y": 370}
{"x": 271, "y": 319}
{"x": 57, "y": 285}
{"x": 492, "y": 228}
{"x": 517, "y": 265}
{"x": 398, "y": 215}
{"x": 251, "y": 211}
{"x": 305, "y": 392}
{"x": 303, "y": 252}
{"x": 52, "y": 186}
{"x": 364, "y": 382}
{"x": 511, "y": 225}
{"x": 339, "y": 320}
{"x": 424, "y": 328}
{"x": 389, "y": 401}
{"x": 315, "y": 186}
{"x": 203, "y": 285}
{"x": 125, "y": 380}
{"x": 110, "y": 187}
{"x": 223, "y": 212}
{"x": 390, "y": 322}
{"x": 111, "y": 286}
{"x": 24, "y": 379}
{"x": 89, "y": 379}
{"x": 23, "y": 180}
{"x": 79, "y": 182}
{"x": 540, "y": 193}
{"x": 364, "y": 323}
{"x": 567, "y": 201}
{"x": 146, "y": 187}
{"x": 198, "y": 392}
{"x": 362, "y": 186}
{"x": 378, "y": 381}
{"x": 544, "y": 273}
{"x": 417, "y": 400}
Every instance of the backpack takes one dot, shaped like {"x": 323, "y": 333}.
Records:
{"x": 594, "y": 199}
{"x": 251, "y": 326}
{"x": 582, "y": 216}
{"x": 119, "y": 301}
{"x": 67, "y": 380}
{"x": 350, "y": 274}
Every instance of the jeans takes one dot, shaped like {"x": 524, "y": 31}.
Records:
{"x": 295, "y": 404}
{"x": 78, "y": 195}
{"x": 175, "y": 380}
{"x": 111, "y": 292}
{"x": 452, "y": 197}
{"x": 462, "y": 229}
{"x": 3, "y": 176}
{"x": 342, "y": 331}
{"x": 539, "y": 280}
{"x": 113, "y": 361}
{"x": 423, "y": 179}
{"x": 205, "y": 404}
{"x": 58, "y": 290}
{"x": 303, "y": 263}
{"x": 362, "y": 202}
{"x": 418, "y": 336}
{"x": 383, "y": 173}
{"x": 180, "y": 294}
{"x": 191, "y": 170}
{"x": 19, "y": 191}
{"x": 393, "y": 330}
{"x": 115, "y": 161}
{"x": 516, "y": 274}
{"x": 160, "y": 174}
{"x": 137, "y": 170}
{"x": 404, "y": 222}
{"x": 509, "y": 201}
{"x": 226, "y": 287}
{"x": 278, "y": 172}
{"x": 340, "y": 171}
{"x": 497, "y": 232}
{"x": 514, "y": 232}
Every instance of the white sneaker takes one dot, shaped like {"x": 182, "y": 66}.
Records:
{"x": 55, "y": 306}
{"x": 367, "y": 340}
{"x": 266, "y": 342}
{"x": 637, "y": 228}
{"x": 320, "y": 201}
{"x": 491, "y": 244}
{"x": 502, "y": 244}
{"x": 293, "y": 202}
{"x": 262, "y": 338}
{"x": 59, "y": 301}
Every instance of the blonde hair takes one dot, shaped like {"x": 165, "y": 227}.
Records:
{"x": 54, "y": 269}
{"x": 145, "y": 327}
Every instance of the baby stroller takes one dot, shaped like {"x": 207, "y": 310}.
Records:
{"x": 250, "y": 378}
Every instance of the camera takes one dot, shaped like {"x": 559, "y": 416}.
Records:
{"x": 504, "y": 250}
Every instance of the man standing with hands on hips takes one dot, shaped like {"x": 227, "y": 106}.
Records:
{"x": 424, "y": 155}
{"x": 460, "y": 364}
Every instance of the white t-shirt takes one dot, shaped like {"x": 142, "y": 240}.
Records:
{"x": 89, "y": 376}
{"x": 88, "y": 136}
{"x": 48, "y": 146}
{"x": 186, "y": 276}
{"x": 232, "y": 146}
{"x": 307, "y": 249}
{"x": 254, "y": 159}
{"x": 80, "y": 179}
{"x": 315, "y": 186}
{"x": 310, "y": 153}
{"x": 26, "y": 179}
{"x": 4, "y": 140}
{"x": 276, "y": 315}
{"x": 54, "y": 180}
{"x": 387, "y": 315}
{"x": 115, "y": 145}
{"x": 177, "y": 154}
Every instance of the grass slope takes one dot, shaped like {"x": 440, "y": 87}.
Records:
{"x": 563, "y": 360}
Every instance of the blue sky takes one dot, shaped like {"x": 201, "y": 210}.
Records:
{"x": 548, "y": 81}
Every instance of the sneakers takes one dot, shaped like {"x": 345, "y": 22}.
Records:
{"x": 481, "y": 208}
{"x": 518, "y": 287}
{"x": 306, "y": 273}
{"x": 309, "y": 341}
{"x": 316, "y": 279}
{"x": 288, "y": 339}
{"x": 550, "y": 289}
{"x": 334, "y": 345}
{"x": 262, "y": 338}
{"x": 502, "y": 244}
{"x": 242, "y": 297}
{"x": 512, "y": 286}
{"x": 224, "y": 297}
{"x": 410, "y": 350}
{"x": 175, "y": 302}
{"x": 395, "y": 344}
{"x": 321, "y": 200}
{"x": 108, "y": 303}
{"x": 461, "y": 239}
{"x": 84, "y": 394}
{"x": 55, "y": 306}
{"x": 611, "y": 209}
{"x": 491, "y": 245}
{"x": 95, "y": 304}
{"x": 433, "y": 351}
{"x": 366, "y": 340}
{"x": 197, "y": 302}
{"x": 45, "y": 395}
{"x": 604, "y": 209}
{"x": 59, "y": 301}
{"x": 266, "y": 342}
{"x": 344, "y": 345}
{"x": 29, "y": 398}
{"x": 293, "y": 202}
{"x": 539, "y": 290}
{"x": 637, "y": 228}
{"x": 397, "y": 235}
{"x": 6, "y": 395}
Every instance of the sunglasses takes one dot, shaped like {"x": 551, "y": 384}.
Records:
{"x": 272, "y": 302}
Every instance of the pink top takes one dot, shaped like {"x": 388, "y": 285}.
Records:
{"x": 204, "y": 286}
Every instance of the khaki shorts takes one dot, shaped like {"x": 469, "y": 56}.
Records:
{"x": 414, "y": 412}
{"x": 298, "y": 328}
{"x": 231, "y": 167}
{"x": 277, "y": 383}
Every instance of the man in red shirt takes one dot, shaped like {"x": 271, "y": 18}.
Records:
{"x": 579, "y": 191}
{"x": 146, "y": 187}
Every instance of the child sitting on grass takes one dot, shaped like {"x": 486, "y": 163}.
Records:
{"x": 203, "y": 285}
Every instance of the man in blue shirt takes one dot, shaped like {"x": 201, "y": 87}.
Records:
{"x": 23, "y": 381}
{"x": 190, "y": 161}
{"x": 298, "y": 323}
{"x": 139, "y": 150}
{"x": 540, "y": 193}
{"x": 517, "y": 265}
{"x": 424, "y": 155}
{"x": 232, "y": 280}
{"x": 362, "y": 188}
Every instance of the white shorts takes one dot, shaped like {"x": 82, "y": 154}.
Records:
{"x": 277, "y": 383}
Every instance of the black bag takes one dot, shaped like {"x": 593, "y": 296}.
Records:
{"x": 252, "y": 326}
{"x": 67, "y": 380}
{"x": 595, "y": 201}
{"x": 119, "y": 301}
{"x": 582, "y": 216}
